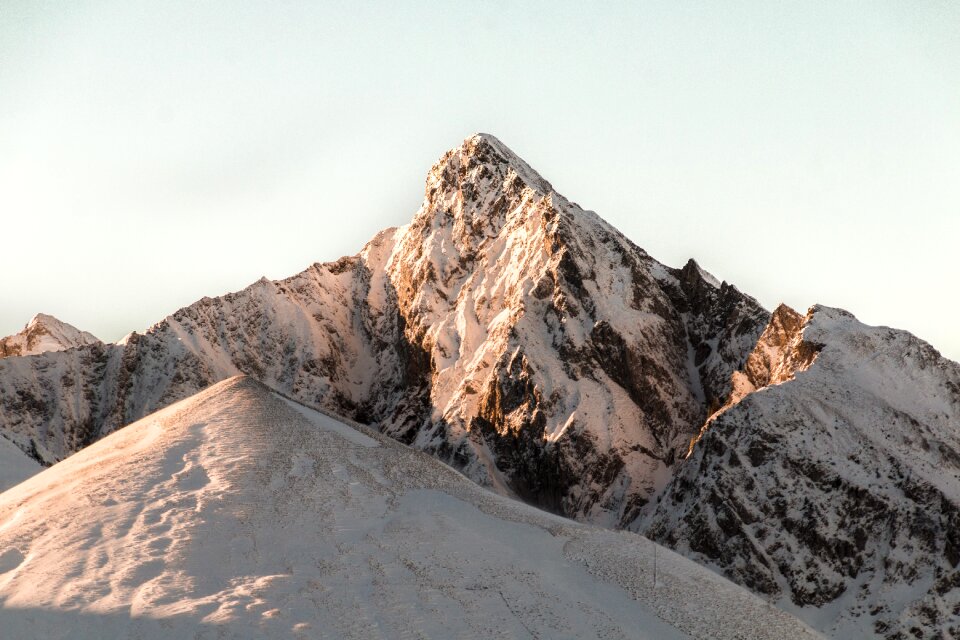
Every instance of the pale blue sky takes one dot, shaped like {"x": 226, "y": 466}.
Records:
{"x": 154, "y": 153}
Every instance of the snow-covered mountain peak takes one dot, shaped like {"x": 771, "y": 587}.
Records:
{"x": 529, "y": 344}
{"x": 484, "y": 209}
{"x": 486, "y": 149}
{"x": 516, "y": 336}
{"x": 539, "y": 321}
{"x": 478, "y": 185}
{"x": 823, "y": 322}
{"x": 41, "y": 319}
{"x": 44, "y": 333}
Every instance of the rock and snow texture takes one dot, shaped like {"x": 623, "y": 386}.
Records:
{"x": 560, "y": 356}
{"x": 834, "y": 489}
{"x": 44, "y": 333}
{"x": 505, "y": 330}
{"x": 239, "y": 514}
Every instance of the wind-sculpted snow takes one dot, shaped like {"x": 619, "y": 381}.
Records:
{"x": 835, "y": 490}
{"x": 238, "y": 514}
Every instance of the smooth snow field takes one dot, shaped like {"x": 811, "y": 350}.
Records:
{"x": 239, "y": 514}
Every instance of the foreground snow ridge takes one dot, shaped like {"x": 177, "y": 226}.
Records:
{"x": 237, "y": 513}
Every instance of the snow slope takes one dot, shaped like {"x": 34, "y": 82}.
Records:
{"x": 834, "y": 487}
{"x": 15, "y": 465}
{"x": 44, "y": 333}
{"x": 239, "y": 514}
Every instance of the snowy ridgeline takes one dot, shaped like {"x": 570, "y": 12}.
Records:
{"x": 240, "y": 514}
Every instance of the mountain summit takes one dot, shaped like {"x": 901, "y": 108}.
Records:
{"x": 44, "y": 333}
{"x": 561, "y": 362}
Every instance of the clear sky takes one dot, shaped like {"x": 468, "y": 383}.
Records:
{"x": 153, "y": 153}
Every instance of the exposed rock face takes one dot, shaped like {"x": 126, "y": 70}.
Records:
{"x": 721, "y": 326}
{"x": 836, "y": 484}
{"x": 778, "y": 355}
{"x": 44, "y": 333}
{"x": 506, "y": 330}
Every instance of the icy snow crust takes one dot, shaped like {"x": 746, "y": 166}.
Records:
{"x": 238, "y": 514}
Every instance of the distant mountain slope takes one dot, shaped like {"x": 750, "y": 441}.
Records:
{"x": 834, "y": 488}
{"x": 44, "y": 333}
{"x": 239, "y": 514}
{"x": 15, "y": 465}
